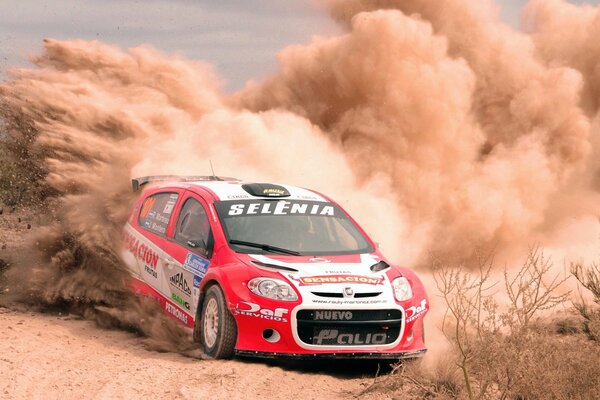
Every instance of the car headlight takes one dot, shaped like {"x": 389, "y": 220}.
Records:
{"x": 402, "y": 289}
{"x": 271, "y": 288}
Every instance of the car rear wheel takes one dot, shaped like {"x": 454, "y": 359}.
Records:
{"x": 218, "y": 332}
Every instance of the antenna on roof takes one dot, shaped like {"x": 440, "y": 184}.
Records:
{"x": 213, "y": 171}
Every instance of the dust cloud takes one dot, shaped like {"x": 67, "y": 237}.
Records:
{"x": 481, "y": 140}
{"x": 92, "y": 110}
{"x": 437, "y": 126}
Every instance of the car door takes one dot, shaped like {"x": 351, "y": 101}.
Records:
{"x": 191, "y": 249}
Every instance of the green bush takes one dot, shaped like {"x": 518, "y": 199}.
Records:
{"x": 589, "y": 278}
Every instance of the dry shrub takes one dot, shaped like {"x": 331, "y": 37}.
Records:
{"x": 590, "y": 280}
{"x": 567, "y": 325}
{"x": 504, "y": 350}
{"x": 553, "y": 368}
{"x": 471, "y": 313}
{"x": 441, "y": 380}
{"x": 417, "y": 379}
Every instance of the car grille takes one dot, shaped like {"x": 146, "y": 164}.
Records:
{"x": 349, "y": 327}
{"x": 341, "y": 295}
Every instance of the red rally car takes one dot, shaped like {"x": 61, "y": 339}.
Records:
{"x": 267, "y": 270}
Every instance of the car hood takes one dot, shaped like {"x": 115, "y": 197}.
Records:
{"x": 332, "y": 281}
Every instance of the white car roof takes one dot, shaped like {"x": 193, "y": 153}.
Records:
{"x": 231, "y": 189}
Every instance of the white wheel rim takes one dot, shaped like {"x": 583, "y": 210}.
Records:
{"x": 211, "y": 322}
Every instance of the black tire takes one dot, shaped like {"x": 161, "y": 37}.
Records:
{"x": 218, "y": 331}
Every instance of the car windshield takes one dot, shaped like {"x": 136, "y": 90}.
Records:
{"x": 290, "y": 227}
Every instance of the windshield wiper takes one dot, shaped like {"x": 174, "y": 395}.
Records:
{"x": 265, "y": 247}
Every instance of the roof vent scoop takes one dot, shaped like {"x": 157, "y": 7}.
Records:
{"x": 265, "y": 190}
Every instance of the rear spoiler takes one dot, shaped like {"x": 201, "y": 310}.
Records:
{"x": 137, "y": 183}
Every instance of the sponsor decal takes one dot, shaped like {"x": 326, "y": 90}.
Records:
{"x": 176, "y": 312}
{"x": 151, "y": 271}
{"x": 158, "y": 228}
{"x": 152, "y": 218}
{"x": 147, "y": 207}
{"x": 317, "y": 280}
{"x": 413, "y": 312}
{"x": 170, "y": 204}
{"x": 142, "y": 252}
{"x": 162, "y": 219}
{"x": 197, "y": 280}
{"x": 349, "y": 301}
{"x": 196, "y": 288}
{"x": 333, "y": 315}
{"x": 281, "y": 208}
{"x": 196, "y": 264}
{"x": 334, "y": 337}
{"x": 254, "y": 310}
{"x": 274, "y": 192}
{"x": 304, "y": 197}
{"x": 169, "y": 207}
{"x": 178, "y": 282}
{"x": 177, "y": 299}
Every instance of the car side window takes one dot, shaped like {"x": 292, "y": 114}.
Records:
{"x": 193, "y": 227}
{"x": 156, "y": 212}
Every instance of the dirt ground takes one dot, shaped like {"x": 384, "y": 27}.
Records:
{"x": 54, "y": 356}
{"x": 45, "y": 356}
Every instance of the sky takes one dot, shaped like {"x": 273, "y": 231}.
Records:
{"x": 239, "y": 37}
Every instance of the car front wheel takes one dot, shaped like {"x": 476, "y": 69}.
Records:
{"x": 218, "y": 332}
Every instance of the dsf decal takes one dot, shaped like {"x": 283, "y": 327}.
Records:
{"x": 415, "y": 311}
{"x": 317, "y": 280}
{"x": 254, "y": 310}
